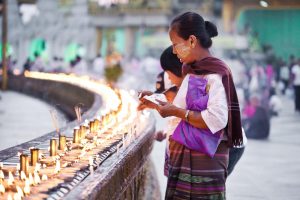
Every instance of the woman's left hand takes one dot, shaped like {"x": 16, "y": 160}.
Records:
{"x": 166, "y": 109}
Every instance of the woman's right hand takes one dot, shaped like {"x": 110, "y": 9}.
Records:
{"x": 144, "y": 93}
{"x": 145, "y": 103}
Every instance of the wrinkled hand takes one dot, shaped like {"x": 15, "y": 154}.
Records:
{"x": 160, "y": 136}
{"x": 166, "y": 109}
{"x": 144, "y": 93}
{"x": 146, "y": 104}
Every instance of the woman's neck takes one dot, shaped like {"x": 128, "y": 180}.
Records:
{"x": 201, "y": 53}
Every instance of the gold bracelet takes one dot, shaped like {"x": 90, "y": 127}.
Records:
{"x": 187, "y": 115}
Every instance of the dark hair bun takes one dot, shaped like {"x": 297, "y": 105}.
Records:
{"x": 211, "y": 29}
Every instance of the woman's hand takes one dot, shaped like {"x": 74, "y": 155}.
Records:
{"x": 144, "y": 93}
{"x": 166, "y": 109}
{"x": 146, "y": 104}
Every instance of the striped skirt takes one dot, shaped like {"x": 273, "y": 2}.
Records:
{"x": 194, "y": 175}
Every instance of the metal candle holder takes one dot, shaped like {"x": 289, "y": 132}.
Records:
{"x": 76, "y": 136}
{"x": 24, "y": 163}
{"x": 34, "y": 156}
{"x": 62, "y": 142}
{"x": 53, "y": 147}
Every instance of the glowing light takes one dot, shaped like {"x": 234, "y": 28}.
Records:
{"x": 27, "y": 187}
{"x": 57, "y": 167}
{"x": 17, "y": 196}
{"x": 37, "y": 179}
{"x": 109, "y": 96}
{"x": 264, "y": 4}
{"x": 10, "y": 179}
{"x": 1, "y": 174}
{"x": 91, "y": 160}
{"x": 31, "y": 181}
{"x": 20, "y": 191}
{"x": 37, "y": 167}
{"x": 2, "y": 188}
{"x": 23, "y": 176}
{"x": 44, "y": 177}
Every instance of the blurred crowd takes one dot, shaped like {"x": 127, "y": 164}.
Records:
{"x": 261, "y": 83}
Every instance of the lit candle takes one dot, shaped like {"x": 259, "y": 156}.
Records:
{"x": 76, "y": 135}
{"x": 1, "y": 175}
{"x": 34, "y": 156}
{"x": 2, "y": 189}
{"x": 44, "y": 177}
{"x": 92, "y": 126}
{"x": 82, "y": 131}
{"x": 62, "y": 142}
{"x": 37, "y": 179}
{"x": 23, "y": 176}
{"x": 11, "y": 179}
{"x": 24, "y": 162}
{"x": 97, "y": 123}
{"x": 53, "y": 147}
{"x": 27, "y": 187}
{"x": 19, "y": 191}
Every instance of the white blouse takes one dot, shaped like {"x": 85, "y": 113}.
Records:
{"x": 216, "y": 114}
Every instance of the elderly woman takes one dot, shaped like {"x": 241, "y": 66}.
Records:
{"x": 209, "y": 113}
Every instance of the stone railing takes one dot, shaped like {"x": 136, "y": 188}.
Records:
{"x": 124, "y": 175}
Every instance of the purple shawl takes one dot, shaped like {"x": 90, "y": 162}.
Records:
{"x": 201, "y": 140}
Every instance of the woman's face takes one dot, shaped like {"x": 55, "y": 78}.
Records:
{"x": 182, "y": 48}
{"x": 174, "y": 79}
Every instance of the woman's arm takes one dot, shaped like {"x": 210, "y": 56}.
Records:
{"x": 214, "y": 118}
{"x": 194, "y": 117}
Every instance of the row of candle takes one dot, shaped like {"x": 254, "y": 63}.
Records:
{"x": 121, "y": 117}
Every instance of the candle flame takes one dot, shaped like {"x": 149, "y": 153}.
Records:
{"x": 23, "y": 176}
{"x": 20, "y": 191}
{"x": 10, "y": 179}
{"x": 1, "y": 174}
{"x": 57, "y": 167}
{"x": 31, "y": 181}
{"x": 37, "y": 178}
{"x": 2, "y": 188}
{"x": 37, "y": 167}
{"x": 44, "y": 177}
{"x": 17, "y": 196}
{"x": 91, "y": 161}
{"x": 27, "y": 187}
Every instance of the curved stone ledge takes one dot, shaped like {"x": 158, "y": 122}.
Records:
{"x": 123, "y": 175}
{"x": 63, "y": 94}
